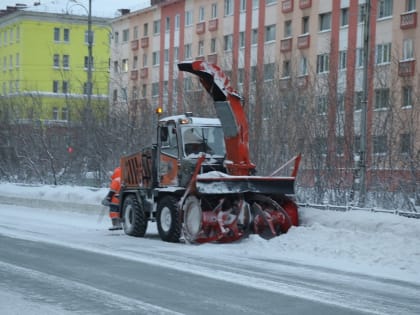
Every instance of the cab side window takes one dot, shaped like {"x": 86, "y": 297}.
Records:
{"x": 169, "y": 143}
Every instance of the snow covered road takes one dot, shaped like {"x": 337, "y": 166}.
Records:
{"x": 363, "y": 262}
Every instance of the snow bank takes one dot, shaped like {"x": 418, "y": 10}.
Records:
{"x": 381, "y": 244}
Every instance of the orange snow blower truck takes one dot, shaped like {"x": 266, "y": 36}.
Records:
{"x": 197, "y": 182}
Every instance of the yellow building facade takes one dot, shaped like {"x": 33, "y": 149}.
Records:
{"x": 44, "y": 64}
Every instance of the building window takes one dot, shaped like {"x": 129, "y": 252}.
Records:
{"x": 55, "y": 113}
{"x": 86, "y": 63}
{"x": 156, "y": 58}
{"x": 344, "y": 17}
{"x": 189, "y": 18}
{"x": 124, "y": 65}
{"x": 66, "y": 61}
{"x": 115, "y": 65}
{"x": 269, "y": 71}
{"x": 56, "y": 34}
{"x": 213, "y": 45}
{"x": 383, "y": 53}
{"x": 56, "y": 60}
{"x": 156, "y": 27}
{"x": 65, "y": 87}
{"x": 66, "y": 35}
{"x": 166, "y": 55}
{"x": 381, "y": 98}
{"x": 385, "y": 8}
{"x": 136, "y": 32}
{"x": 267, "y": 2}
{"x": 241, "y": 75}
{"x": 242, "y": 5}
{"x": 287, "y": 28}
{"x": 254, "y": 36}
{"x": 135, "y": 62}
{"x": 177, "y": 21}
{"x": 286, "y": 69}
{"x": 360, "y": 59}
{"x": 410, "y": 5}
{"x": 358, "y": 100}
{"x": 144, "y": 91}
{"x": 408, "y": 52}
{"x": 201, "y": 48}
{"x": 176, "y": 53}
{"x": 342, "y": 60}
{"x": 214, "y": 10}
{"x": 305, "y": 25}
{"x": 325, "y": 21}
{"x": 228, "y": 42}
{"x": 17, "y": 61}
{"x": 65, "y": 114}
{"x": 405, "y": 143}
{"x": 144, "y": 60}
{"x": 241, "y": 39}
{"x": 201, "y": 14}
{"x": 322, "y": 104}
{"x": 167, "y": 24}
{"x": 55, "y": 86}
{"x": 380, "y": 144}
{"x": 228, "y": 7}
{"x": 145, "y": 29}
{"x": 361, "y": 16}
{"x": 270, "y": 33}
{"x": 407, "y": 96}
{"x": 115, "y": 95}
{"x": 322, "y": 63}
{"x": 116, "y": 38}
{"x": 303, "y": 66}
{"x": 253, "y": 73}
{"x": 188, "y": 51}
{"x": 126, "y": 35}
{"x": 187, "y": 84}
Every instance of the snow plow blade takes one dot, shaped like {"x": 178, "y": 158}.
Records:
{"x": 244, "y": 184}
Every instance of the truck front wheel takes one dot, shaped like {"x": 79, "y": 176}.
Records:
{"x": 169, "y": 219}
{"x": 134, "y": 217}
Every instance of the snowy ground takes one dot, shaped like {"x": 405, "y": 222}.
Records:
{"x": 376, "y": 244}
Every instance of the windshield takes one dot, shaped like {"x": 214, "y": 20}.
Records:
{"x": 203, "y": 139}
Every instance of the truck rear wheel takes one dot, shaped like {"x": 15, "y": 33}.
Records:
{"x": 169, "y": 219}
{"x": 134, "y": 217}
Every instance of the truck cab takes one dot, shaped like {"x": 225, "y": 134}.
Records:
{"x": 181, "y": 141}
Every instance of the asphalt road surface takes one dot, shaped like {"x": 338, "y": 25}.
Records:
{"x": 86, "y": 282}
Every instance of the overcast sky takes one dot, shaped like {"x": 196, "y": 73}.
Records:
{"x": 103, "y": 8}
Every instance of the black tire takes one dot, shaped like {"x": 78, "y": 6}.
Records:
{"x": 134, "y": 217}
{"x": 169, "y": 219}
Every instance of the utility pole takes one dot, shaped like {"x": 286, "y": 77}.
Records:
{"x": 364, "y": 106}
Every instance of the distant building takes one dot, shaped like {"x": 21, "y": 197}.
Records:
{"x": 283, "y": 55}
{"x": 44, "y": 56}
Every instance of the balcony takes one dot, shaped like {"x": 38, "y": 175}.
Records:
{"x": 135, "y": 44}
{"x": 213, "y": 24}
{"x": 212, "y": 58}
{"x": 286, "y": 44}
{"x": 406, "y": 68}
{"x": 200, "y": 28}
{"x": 305, "y": 4}
{"x": 145, "y": 42}
{"x": 287, "y": 6}
{"x": 303, "y": 41}
{"x": 408, "y": 20}
{"x": 201, "y": 58}
{"x": 144, "y": 73}
{"x": 134, "y": 74}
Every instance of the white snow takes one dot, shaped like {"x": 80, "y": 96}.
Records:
{"x": 377, "y": 244}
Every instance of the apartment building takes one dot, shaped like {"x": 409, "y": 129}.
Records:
{"x": 308, "y": 52}
{"x": 44, "y": 56}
